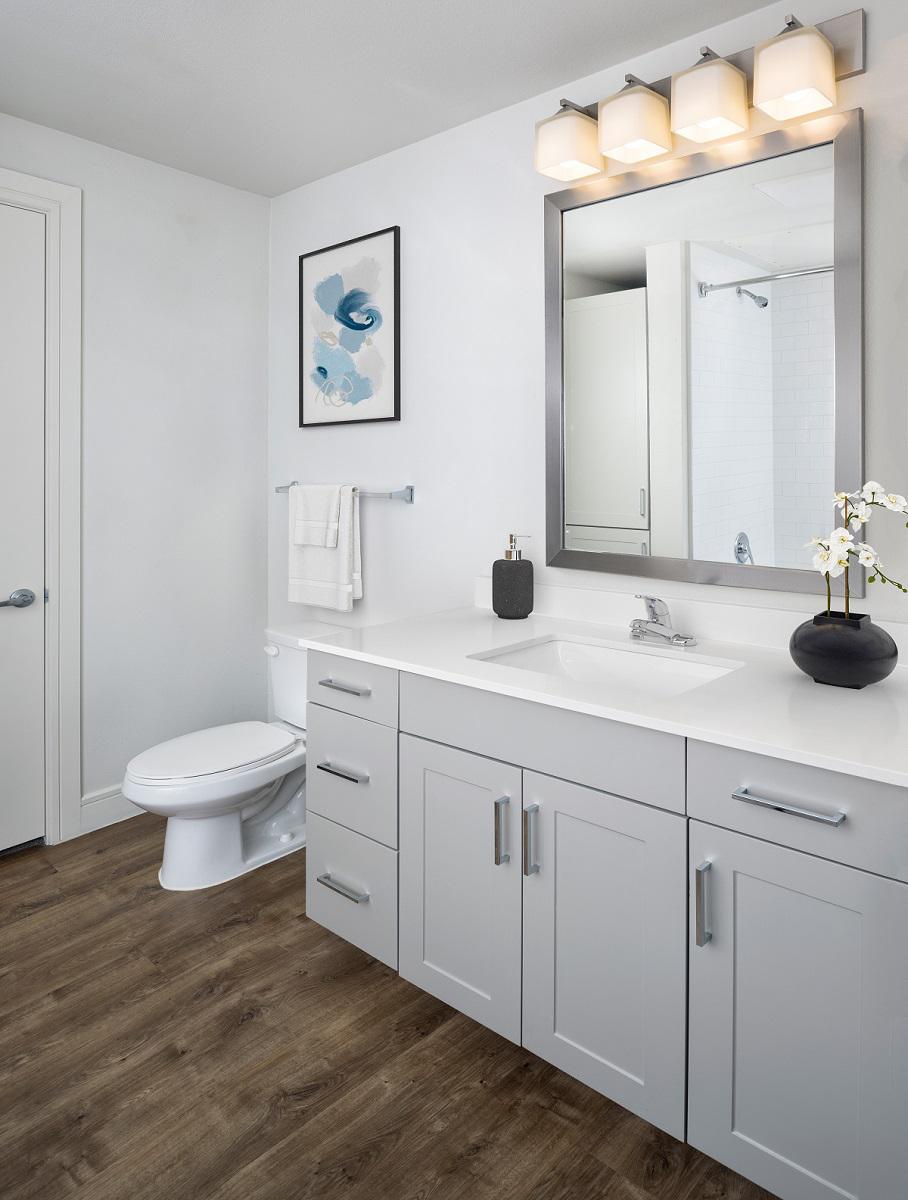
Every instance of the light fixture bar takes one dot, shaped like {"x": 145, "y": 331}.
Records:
{"x": 847, "y": 34}
{"x": 705, "y": 288}
{"x": 591, "y": 110}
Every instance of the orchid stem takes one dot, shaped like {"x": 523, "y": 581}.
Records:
{"x": 828, "y": 595}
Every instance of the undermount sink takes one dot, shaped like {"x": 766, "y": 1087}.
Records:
{"x": 651, "y": 669}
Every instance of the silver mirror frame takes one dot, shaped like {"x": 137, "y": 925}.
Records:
{"x": 845, "y": 132}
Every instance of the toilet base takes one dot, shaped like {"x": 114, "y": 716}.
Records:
{"x": 174, "y": 881}
{"x": 201, "y": 852}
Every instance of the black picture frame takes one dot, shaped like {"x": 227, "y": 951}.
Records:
{"x": 313, "y": 254}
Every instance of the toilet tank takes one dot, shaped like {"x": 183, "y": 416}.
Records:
{"x": 287, "y": 662}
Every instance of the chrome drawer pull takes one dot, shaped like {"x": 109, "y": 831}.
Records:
{"x": 342, "y": 890}
{"x": 500, "y": 856}
{"x": 350, "y": 776}
{"x": 347, "y": 688}
{"x": 702, "y": 932}
{"x": 530, "y": 866}
{"x": 794, "y": 810}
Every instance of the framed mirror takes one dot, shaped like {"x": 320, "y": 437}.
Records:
{"x": 704, "y": 371}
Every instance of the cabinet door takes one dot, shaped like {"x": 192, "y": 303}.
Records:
{"x": 605, "y": 944}
{"x": 460, "y": 881}
{"x": 798, "y": 1020}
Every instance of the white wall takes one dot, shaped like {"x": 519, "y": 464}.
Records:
{"x": 472, "y": 436}
{"x": 803, "y": 348}
{"x": 174, "y": 400}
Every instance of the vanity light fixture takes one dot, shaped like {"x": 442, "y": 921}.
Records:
{"x": 709, "y": 99}
{"x": 634, "y": 124}
{"x": 794, "y": 73}
{"x": 566, "y": 144}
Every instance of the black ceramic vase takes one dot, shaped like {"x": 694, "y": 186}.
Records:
{"x": 843, "y": 651}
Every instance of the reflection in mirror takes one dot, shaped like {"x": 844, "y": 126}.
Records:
{"x": 698, "y": 358}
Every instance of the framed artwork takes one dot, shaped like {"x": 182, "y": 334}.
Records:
{"x": 349, "y": 336}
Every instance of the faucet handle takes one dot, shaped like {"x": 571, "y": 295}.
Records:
{"x": 656, "y": 609}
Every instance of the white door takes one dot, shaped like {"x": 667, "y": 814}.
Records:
{"x": 606, "y": 438}
{"x": 798, "y": 1020}
{"x": 605, "y": 945}
{"x": 22, "y": 354}
{"x": 460, "y": 881}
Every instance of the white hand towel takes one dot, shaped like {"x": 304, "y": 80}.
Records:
{"x": 329, "y": 577}
{"x": 314, "y": 513}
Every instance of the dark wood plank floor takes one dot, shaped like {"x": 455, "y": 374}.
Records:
{"x": 220, "y": 1045}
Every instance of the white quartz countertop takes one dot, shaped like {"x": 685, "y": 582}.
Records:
{"x": 766, "y": 705}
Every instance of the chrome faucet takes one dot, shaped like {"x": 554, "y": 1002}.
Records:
{"x": 657, "y": 626}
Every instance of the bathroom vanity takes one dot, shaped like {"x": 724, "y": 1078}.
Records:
{"x": 684, "y": 888}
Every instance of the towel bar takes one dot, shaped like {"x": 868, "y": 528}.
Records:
{"x": 404, "y": 493}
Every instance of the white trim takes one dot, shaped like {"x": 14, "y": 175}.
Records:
{"x": 62, "y": 207}
{"x": 105, "y": 807}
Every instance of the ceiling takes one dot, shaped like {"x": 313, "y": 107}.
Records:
{"x": 270, "y": 94}
{"x": 776, "y": 214}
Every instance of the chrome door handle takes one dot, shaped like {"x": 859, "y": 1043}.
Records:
{"x": 500, "y": 856}
{"x": 794, "y": 810}
{"x": 348, "y": 688}
{"x": 342, "y": 889}
{"x": 350, "y": 776}
{"x": 530, "y": 866}
{"x": 20, "y": 598}
{"x": 702, "y": 933}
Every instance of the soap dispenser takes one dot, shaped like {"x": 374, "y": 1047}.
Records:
{"x": 512, "y": 583}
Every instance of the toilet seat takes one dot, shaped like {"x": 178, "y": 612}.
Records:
{"x": 223, "y": 750}
{"x": 224, "y": 786}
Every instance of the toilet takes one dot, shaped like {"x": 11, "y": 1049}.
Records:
{"x": 234, "y": 795}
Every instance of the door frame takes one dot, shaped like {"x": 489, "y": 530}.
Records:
{"x": 61, "y": 205}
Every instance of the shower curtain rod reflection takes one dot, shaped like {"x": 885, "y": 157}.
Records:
{"x": 705, "y": 288}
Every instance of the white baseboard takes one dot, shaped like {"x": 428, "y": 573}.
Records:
{"x": 105, "y": 807}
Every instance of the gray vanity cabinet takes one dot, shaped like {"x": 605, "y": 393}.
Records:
{"x": 604, "y": 944}
{"x": 798, "y": 1019}
{"x": 599, "y": 886}
{"x": 460, "y": 894}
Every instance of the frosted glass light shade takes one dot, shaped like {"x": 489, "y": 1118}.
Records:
{"x": 709, "y": 101}
{"x": 633, "y": 125}
{"x": 566, "y": 147}
{"x": 794, "y": 74}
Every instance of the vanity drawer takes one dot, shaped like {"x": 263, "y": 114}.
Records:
{"x": 352, "y": 772}
{"x": 873, "y": 835}
{"x": 355, "y": 687}
{"x": 641, "y": 764}
{"x": 351, "y": 887}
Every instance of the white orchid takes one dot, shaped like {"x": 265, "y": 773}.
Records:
{"x": 893, "y": 501}
{"x": 872, "y": 491}
{"x": 859, "y": 514}
{"x": 832, "y": 556}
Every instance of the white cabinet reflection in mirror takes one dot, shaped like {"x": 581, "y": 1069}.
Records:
{"x": 699, "y": 362}
{"x": 605, "y": 418}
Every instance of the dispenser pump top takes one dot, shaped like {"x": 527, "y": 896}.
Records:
{"x": 513, "y": 551}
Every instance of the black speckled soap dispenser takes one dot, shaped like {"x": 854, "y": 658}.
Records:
{"x": 512, "y": 583}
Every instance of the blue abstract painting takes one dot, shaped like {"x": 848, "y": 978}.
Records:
{"x": 349, "y": 346}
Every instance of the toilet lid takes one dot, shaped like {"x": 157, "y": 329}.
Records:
{"x": 212, "y": 751}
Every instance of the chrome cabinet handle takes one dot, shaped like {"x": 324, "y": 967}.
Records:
{"x": 347, "y": 688}
{"x": 20, "y": 598}
{"x": 643, "y": 502}
{"x": 342, "y": 889}
{"x": 530, "y": 866}
{"x": 703, "y": 934}
{"x": 350, "y": 776}
{"x": 501, "y": 804}
{"x": 794, "y": 810}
